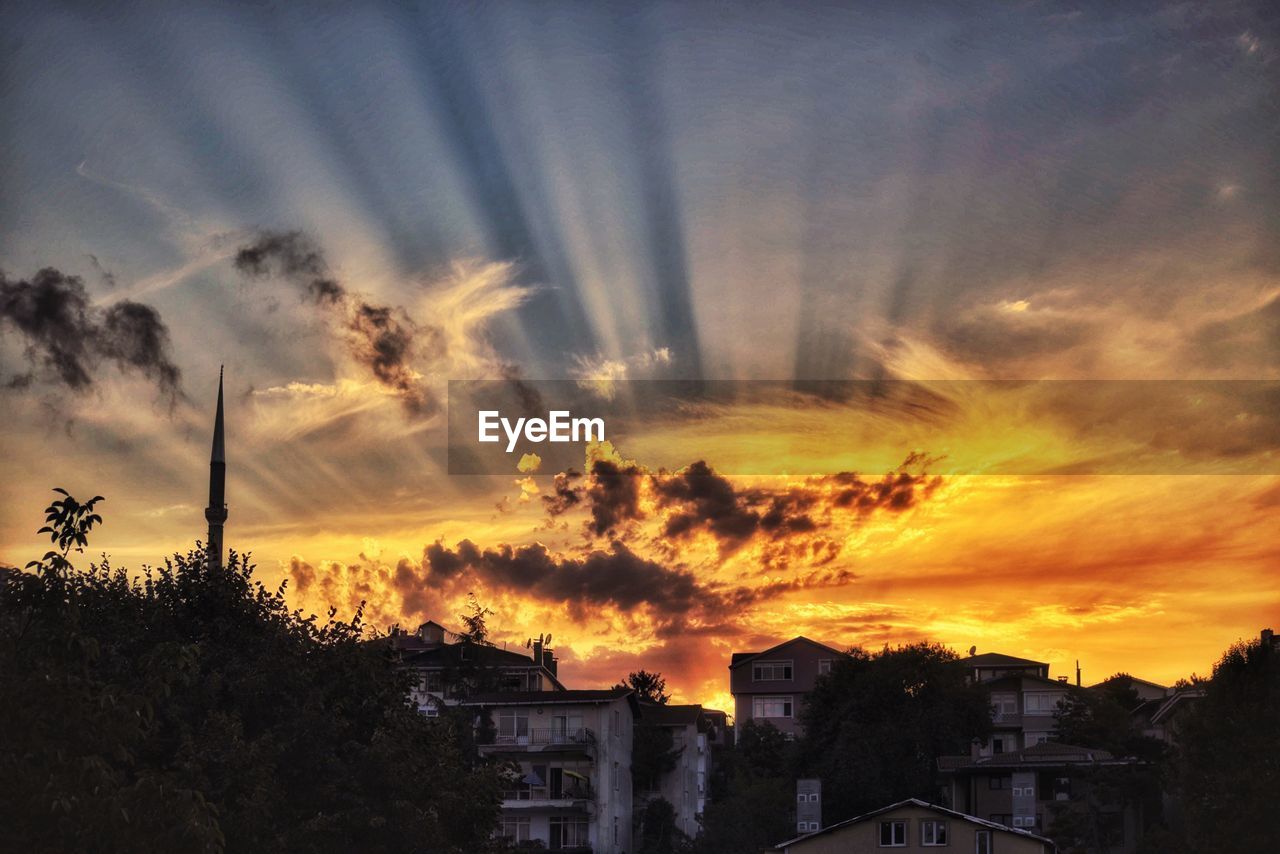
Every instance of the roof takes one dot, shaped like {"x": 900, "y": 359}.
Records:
{"x": 1027, "y": 677}
{"x": 450, "y": 655}
{"x": 996, "y": 659}
{"x": 1048, "y": 753}
{"x": 546, "y": 698}
{"x": 664, "y": 714}
{"x": 916, "y": 802}
{"x": 1174, "y": 701}
{"x": 740, "y": 658}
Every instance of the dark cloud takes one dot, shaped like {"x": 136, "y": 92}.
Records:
{"x": 674, "y": 597}
{"x": 383, "y": 338}
{"x": 67, "y": 337}
{"x": 697, "y": 499}
{"x": 1249, "y": 340}
{"x": 994, "y": 336}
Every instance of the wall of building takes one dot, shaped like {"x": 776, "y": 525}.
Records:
{"x": 864, "y": 837}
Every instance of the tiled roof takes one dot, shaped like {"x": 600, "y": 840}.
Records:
{"x": 544, "y": 698}
{"x": 670, "y": 715}
{"x": 1048, "y": 753}
{"x": 450, "y": 655}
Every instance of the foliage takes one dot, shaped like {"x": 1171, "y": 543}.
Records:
{"x": 753, "y": 793}
{"x": 477, "y": 629}
{"x": 658, "y": 831}
{"x": 653, "y": 754}
{"x": 1227, "y": 767}
{"x": 189, "y": 709}
{"x": 1101, "y": 717}
{"x": 649, "y": 687}
{"x": 875, "y": 726}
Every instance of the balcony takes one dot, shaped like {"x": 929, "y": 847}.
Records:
{"x": 543, "y": 740}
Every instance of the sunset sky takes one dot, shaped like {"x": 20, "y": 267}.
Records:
{"x": 352, "y": 207}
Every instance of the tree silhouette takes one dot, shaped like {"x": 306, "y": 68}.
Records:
{"x": 189, "y": 709}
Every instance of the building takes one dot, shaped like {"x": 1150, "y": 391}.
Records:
{"x": 1025, "y": 789}
{"x": 1023, "y": 700}
{"x": 448, "y": 670}
{"x": 808, "y": 805}
{"x": 913, "y": 825}
{"x": 686, "y": 786}
{"x": 771, "y": 686}
{"x": 572, "y": 749}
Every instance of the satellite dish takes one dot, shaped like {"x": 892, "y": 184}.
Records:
{"x": 528, "y": 643}
{"x": 973, "y": 650}
{"x": 548, "y": 638}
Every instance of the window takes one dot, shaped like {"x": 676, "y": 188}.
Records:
{"x": 1001, "y": 782}
{"x": 933, "y": 832}
{"x": 1041, "y": 703}
{"x": 771, "y": 707}
{"x": 513, "y": 726}
{"x": 771, "y": 671}
{"x": 567, "y": 832}
{"x": 808, "y": 826}
{"x": 615, "y": 776}
{"x": 893, "y": 834}
{"x": 515, "y": 829}
{"x": 824, "y": 665}
{"x": 1004, "y": 705}
{"x": 1024, "y": 821}
{"x": 982, "y": 842}
{"x": 997, "y": 745}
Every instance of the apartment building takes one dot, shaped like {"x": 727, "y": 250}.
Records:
{"x": 771, "y": 686}
{"x": 1023, "y": 700}
{"x": 1024, "y": 788}
{"x": 914, "y": 825}
{"x": 449, "y": 667}
{"x": 693, "y": 732}
{"x": 571, "y": 751}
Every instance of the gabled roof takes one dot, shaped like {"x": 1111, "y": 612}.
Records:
{"x": 547, "y": 698}
{"x": 916, "y": 802}
{"x": 450, "y": 655}
{"x": 996, "y": 659}
{"x": 1126, "y": 679}
{"x": 740, "y": 658}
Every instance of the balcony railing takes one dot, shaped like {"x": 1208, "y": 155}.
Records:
{"x": 545, "y": 737}
{"x": 579, "y": 792}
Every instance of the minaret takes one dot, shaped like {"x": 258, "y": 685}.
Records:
{"x": 216, "y": 512}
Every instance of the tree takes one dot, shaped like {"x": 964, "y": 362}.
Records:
{"x": 189, "y": 709}
{"x": 876, "y": 725}
{"x": 1227, "y": 763}
{"x": 649, "y": 687}
{"x": 754, "y": 801}
{"x": 1102, "y": 717}
{"x": 658, "y": 831}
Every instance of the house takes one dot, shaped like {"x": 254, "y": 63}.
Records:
{"x": 570, "y": 756}
{"x": 1025, "y": 789}
{"x": 1023, "y": 700}
{"x": 449, "y": 670}
{"x": 1144, "y": 689}
{"x": 914, "y": 825}
{"x": 771, "y": 686}
{"x": 685, "y": 787}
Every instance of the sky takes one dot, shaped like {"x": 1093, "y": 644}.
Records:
{"x": 351, "y": 205}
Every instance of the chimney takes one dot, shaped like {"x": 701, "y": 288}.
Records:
{"x": 1268, "y": 638}
{"x": 1077, "y": 673}
{"x": 537, "y": 651}
{"x": 549, "y": 660}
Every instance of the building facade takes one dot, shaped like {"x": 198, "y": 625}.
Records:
{"x": 914, "y": 825}
{"x": 1023, "y": 700}
{"x": 771, "y": 686}
{"x": 571, "y": 755}
{"x": 686, "y": 786}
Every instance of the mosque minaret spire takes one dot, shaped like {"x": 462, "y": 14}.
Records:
{"x": 216, "y": 512}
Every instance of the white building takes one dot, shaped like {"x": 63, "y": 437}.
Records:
{"x": 570, "y": 753}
